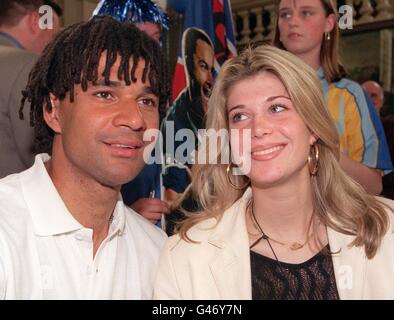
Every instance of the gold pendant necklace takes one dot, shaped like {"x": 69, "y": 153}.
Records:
{"x": 293, "y": 246}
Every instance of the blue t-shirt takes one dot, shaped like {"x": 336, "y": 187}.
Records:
{"x": 361, "y": 133}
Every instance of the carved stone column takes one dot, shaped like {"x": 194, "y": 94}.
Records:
{"x": 258, "y": 11}
{"x": 384, "y": 10}
{"x": 366, "y": 12}
{"x": 246, "y": 28}
{"x": 273, "y": 17}
{"x": 385, "y": 65}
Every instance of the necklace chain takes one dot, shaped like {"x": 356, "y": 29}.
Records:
{"x": 294, "y": 246}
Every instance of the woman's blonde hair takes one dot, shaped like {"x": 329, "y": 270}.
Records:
{"x": 340, "y": 203}
{"x": 333, "y": 69}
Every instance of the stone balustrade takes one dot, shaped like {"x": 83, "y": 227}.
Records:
{"x": 254, "y": 20}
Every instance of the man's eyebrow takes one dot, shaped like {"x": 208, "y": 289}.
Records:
{"x": 148, "y": 90}
{"x": 101, "y": 83}
{"x": 112, "y": 83}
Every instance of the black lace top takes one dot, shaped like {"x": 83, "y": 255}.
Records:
{"x": 313, "y": 279}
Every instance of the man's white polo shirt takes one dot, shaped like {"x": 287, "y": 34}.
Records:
{"x": 46, "y": 254}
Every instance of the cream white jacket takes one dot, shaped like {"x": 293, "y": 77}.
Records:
{"x": 219, "y": 266}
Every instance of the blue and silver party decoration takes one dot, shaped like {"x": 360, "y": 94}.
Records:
{"x": 136, "y": 11}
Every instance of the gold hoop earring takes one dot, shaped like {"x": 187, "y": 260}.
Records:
{"x": 313, "y": 164}
{"x": 228, "y": 173}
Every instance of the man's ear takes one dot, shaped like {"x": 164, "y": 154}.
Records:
{"x": 52, "y": 114}
{"x": 32, "y": 20}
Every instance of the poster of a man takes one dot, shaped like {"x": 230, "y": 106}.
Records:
{"x": 206, "y": 43}
{"x": 191, "y": 104}
{"x": 189, "y": 108}
{"x": 199, "y": 58}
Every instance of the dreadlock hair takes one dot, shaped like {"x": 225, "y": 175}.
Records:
{"x": 72, "y": 58}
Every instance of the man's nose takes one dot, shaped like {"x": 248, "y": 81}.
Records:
{"x": 210, "y": 78}
{"x": 129, "y": 115}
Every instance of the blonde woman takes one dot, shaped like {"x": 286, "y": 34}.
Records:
{"x": 295, "y": 226}
{"x": 309, "y": 29}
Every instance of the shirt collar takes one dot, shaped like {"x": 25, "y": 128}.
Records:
{"x": 118, "y": 222}
{"x": 49, "y": 213}
{"x": 11, "y": 40}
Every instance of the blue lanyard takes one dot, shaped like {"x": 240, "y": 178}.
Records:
{"x": 15, "y": 42}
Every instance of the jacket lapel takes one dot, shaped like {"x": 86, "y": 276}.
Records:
{"x": 231, "y": 275}
{"x": 231, "y": 266}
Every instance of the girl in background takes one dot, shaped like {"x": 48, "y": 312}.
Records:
{"x": 309, "y": 30}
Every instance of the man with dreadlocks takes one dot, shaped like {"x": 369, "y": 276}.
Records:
{"x": 64, "y": 230}
{"x": 144, "y": 193}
